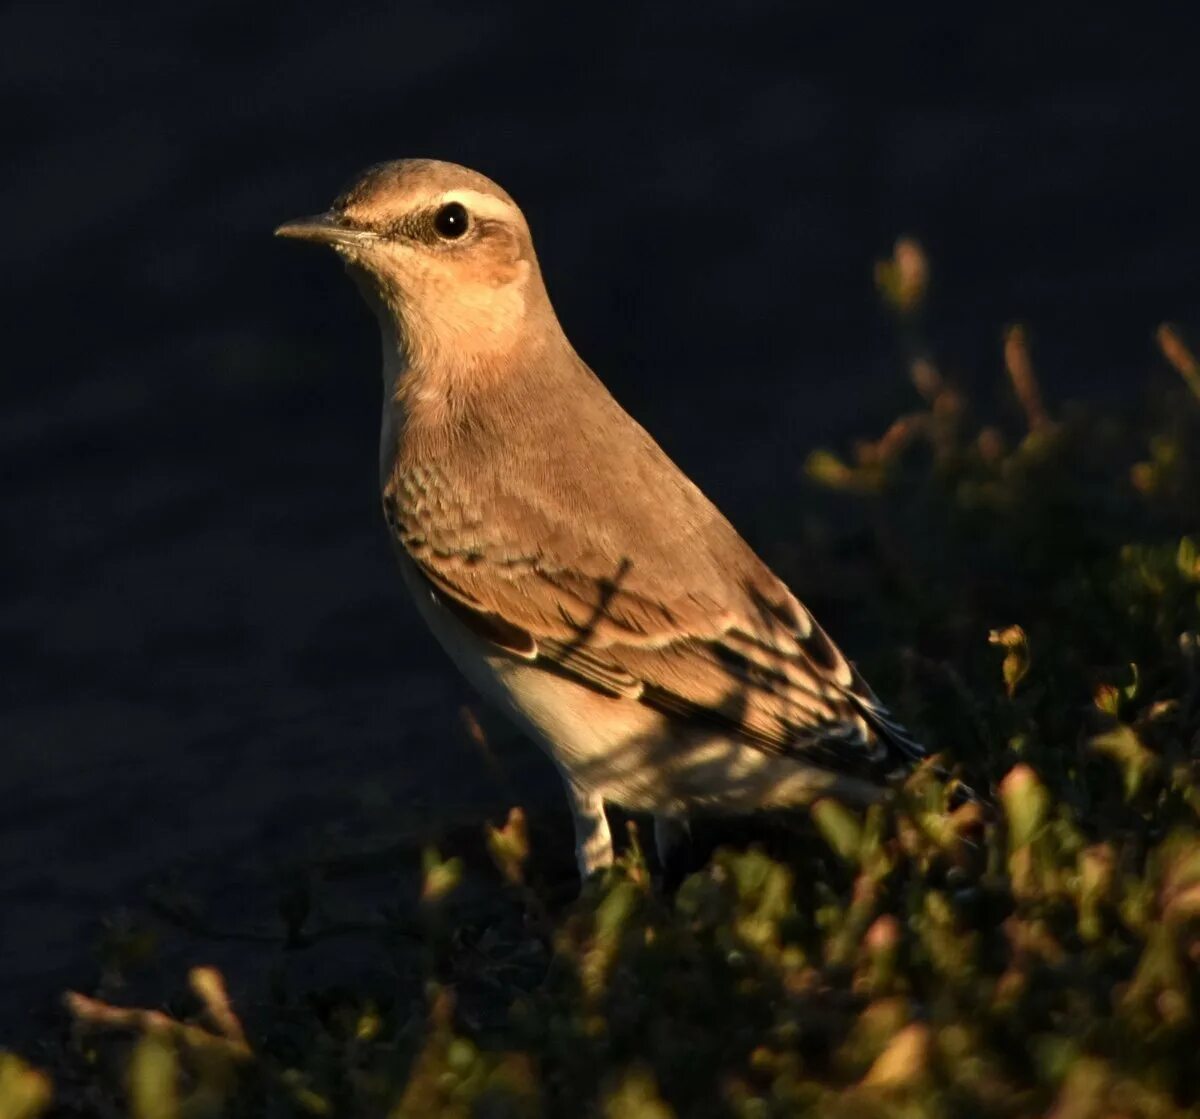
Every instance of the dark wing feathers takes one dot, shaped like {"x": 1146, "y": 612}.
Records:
{"x": 772, "y": 677}
{"x": 592, "y": 668}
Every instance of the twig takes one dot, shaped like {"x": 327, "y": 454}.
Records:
{"x": 1024, "y": 381}
{"x": 93, "y": 1012}
{"x": 1176, "y": 351}
{"x": 209, "y": 986}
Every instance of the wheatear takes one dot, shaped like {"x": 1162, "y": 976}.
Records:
{"x": 573, "y": 572}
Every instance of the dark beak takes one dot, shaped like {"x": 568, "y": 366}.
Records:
{"x": 326, "y": 229}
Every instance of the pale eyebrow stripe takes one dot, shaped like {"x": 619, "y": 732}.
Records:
{"x": 480, "y": 204}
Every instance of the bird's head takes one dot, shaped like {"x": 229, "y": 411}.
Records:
{"x": 444, "y": 257}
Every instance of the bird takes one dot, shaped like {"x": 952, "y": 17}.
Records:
{"x": 576, "y": 576}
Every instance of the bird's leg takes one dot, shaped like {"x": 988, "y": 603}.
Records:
{"x": 593, "y": 840}
{"x": 672, "y": 838}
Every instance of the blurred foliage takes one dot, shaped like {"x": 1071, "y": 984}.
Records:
{"x": 24, "y": 1092}
{"x": 1035, "y": 591}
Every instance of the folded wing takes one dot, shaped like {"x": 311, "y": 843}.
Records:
{"x": 743, "y": 656}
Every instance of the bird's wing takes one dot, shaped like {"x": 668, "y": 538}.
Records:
{"x": 700, "y": 628}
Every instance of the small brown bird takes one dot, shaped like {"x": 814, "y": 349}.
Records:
{"x": 574, "y": 573}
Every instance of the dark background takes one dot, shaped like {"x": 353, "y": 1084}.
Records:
{"x": 207, "y": 657}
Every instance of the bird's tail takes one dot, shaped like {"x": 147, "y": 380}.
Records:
{"x": 906, "y": 752}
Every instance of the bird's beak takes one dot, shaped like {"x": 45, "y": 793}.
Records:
{"x": 327, "y": 229}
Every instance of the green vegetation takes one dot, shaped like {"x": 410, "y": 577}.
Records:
{"x": 1035, "y": 592}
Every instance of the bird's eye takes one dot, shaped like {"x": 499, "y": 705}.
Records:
{"x": 451, "y": 220}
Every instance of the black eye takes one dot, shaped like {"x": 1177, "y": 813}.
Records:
{"x": 451, "y": 220}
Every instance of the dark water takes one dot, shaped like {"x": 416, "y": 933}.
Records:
{"x": 207, "y": 657}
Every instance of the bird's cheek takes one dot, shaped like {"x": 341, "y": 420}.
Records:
{"x": 506, "y": 273}
{"x": 498, "y": 260}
